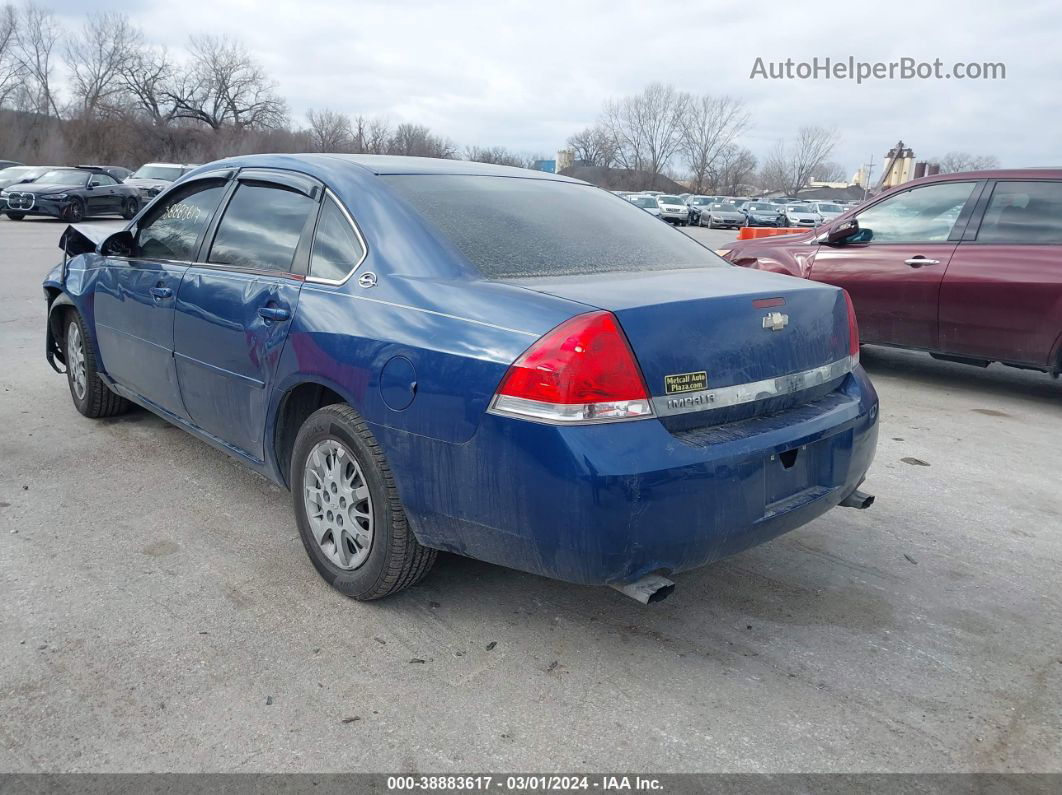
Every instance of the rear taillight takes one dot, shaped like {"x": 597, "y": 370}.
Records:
{"x": 853, "y": 329}
{"x": 581, "y": 371}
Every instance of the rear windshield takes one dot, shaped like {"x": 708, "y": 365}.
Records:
{"x": 514, "y": 227}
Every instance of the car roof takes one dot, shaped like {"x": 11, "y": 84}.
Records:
{"x": 395, "y": 164}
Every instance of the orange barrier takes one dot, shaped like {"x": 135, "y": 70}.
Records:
{"x": 749, "y": 232}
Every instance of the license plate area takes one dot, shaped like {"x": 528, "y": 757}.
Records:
{"x": 795, "y": 471}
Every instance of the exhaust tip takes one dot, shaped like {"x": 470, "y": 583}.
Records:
{"x": 859, "y": 500}
{"x": 650, "y": 588}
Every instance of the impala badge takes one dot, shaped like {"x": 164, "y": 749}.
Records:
{"x": 775, "y": 321}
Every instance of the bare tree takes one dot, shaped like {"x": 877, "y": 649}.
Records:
{"x": 790, "y": 165}
{"x": 829, "y": 171}
{"x": 11, "y": 69}
{"x": 964, "y": 161}
{"x": 329, "y": 131}
{"x": 593, "y": 147}
{"x": 418, "y": 140}
{"x": 647, "y": 127}
{"x": 498, "y": 155}
{"x": 35, "y": 38}
{"x": 709, "y": 126}
{"x": 226, "y": 87}
{"x": 734, "y": 169}
{"x": 145, "y": 78}
{"x": 96, "y": 57}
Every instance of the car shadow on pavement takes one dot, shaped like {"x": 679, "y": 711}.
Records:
{"x": 995, "y": 380}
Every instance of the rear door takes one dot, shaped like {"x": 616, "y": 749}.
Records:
{"x": 894, "y": 278}
{"x": 234, "y": 306}
{"x": 134, "y": 296}
{"x": 1002, "y": 295}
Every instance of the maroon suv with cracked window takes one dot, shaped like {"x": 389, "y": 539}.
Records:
{"x": 965, "y": 266}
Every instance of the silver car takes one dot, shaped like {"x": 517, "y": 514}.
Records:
{"x": 720, "y": 215}
{"x": 152, "y": 178}
{"x": 827, "y": 210}
{"x": 801, "y": 215}
{"x": 673, "y": 209}
{"x": 647, "y": 203}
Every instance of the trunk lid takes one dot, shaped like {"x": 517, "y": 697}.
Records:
{"x": 701, "y": 330}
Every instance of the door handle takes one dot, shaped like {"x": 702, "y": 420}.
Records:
{"x": 161, "y": 293}
{"x": 274, "y": 312}
{"x": 918, "y": 262}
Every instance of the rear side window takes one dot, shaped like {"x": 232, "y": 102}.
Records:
{"x": 261, "y": 228}
{"x": 336, "y": 247}
{"x": 172, "y": 228}
{"x": 1023, "y": 212}
{"x": 515, "y": 227}
{"x": 921, "y": 215}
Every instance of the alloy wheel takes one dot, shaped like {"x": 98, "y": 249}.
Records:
{"x": 75, "y": 360}
{"x": 338, "y": 504}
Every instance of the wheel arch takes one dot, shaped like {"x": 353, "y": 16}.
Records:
{"x": 295, "y": 403}
{"x": 59, "y": 303}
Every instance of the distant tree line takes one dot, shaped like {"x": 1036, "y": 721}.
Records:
{"x": 127, "y": 101}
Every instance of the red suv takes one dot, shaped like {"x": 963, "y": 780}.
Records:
{"x": 965, "y": 266}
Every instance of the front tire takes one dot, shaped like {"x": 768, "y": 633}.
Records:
{"x": 16, "y": 216}
{"x": 74, "y": 212}
{"x": 347, "y": 508}
{"x": 91, "y": 396}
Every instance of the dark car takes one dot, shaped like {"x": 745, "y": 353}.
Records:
{"x": 153, "y": 178}
{"x": 71, "y": 194}
{"x": 443, "y": 355}
{"x": 965, "y": 266}
{"x": 762, "y": 214}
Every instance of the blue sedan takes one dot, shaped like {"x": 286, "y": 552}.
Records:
{"x": 440, "y": 355}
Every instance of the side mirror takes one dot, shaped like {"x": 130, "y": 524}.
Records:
{"x": 842, "y": 233}
{"x": 120, "y": 244}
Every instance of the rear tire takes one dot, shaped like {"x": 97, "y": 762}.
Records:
{"x": 91, "y": 396}
{"x": 348, "y": 511}
{"x": 130, "y": 207}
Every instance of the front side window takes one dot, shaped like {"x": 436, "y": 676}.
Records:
{"x": 1023, "y": 212}
{"x": 922, "y": 215}
{"x": 261, "y": 227}
{"x": 171, "y": 231}
{"x": 336, "y": 247}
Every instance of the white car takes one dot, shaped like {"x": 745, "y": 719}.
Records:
{"x": 827, "y": 210}
{"x": 802, "y": 215}
{"x": 673, "y": 209}
{"x": 647, "y": 203}
{"x": 153, "y": 178}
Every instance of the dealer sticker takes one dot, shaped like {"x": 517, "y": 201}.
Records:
{"x": 685, "y": 382}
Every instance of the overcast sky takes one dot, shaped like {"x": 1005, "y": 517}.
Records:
{"x": 526, "y": 75}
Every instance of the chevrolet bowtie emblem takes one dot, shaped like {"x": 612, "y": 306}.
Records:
{"x": 775, "y": 321}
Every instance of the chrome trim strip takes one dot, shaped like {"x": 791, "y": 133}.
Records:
{"x": 427, "y": 311}
{"x": 361, "y": 239}
{"x": 708, "y": 399}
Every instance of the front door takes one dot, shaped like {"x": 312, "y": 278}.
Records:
{"x": 894, "y": 275}
{"x": 234, "y": 309}
{"x": 102, "y": 195}
{"x": 135, "y": 296}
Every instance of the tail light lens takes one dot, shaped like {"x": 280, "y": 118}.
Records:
{"x": 853, "y": 330}
{"x": 582, "y": 371}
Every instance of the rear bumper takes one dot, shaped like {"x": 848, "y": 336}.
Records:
{"x": 610, "y": 503}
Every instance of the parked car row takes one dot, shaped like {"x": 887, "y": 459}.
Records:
{"x": 76, "y": 192}
{"x": 730, "y": 212}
